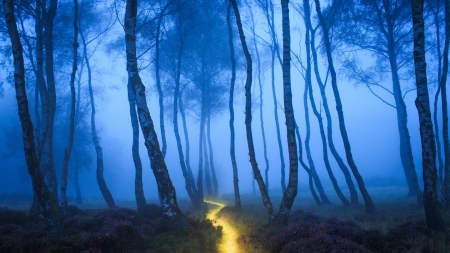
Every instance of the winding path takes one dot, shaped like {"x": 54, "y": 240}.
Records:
{"x": 228, "y": 242}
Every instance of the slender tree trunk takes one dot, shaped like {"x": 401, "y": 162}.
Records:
{"x": 248, "y": 118}
{"x": 336, "y": 187}
{"x": 237, "y": 196}
{"x": 336, "y": 156}
{"x": 435, "y": 106}
{"x": 370, "y": 207}
{"x": 98, "y": 149}
{"x": 207, "y": 168}
{"x": 186, "y": 140}
{"x": 158, "y": 82}
{"x": 44, "y": 195}
{"x": 76, "y": 180}
{"x": 291, "y": 190}
{"x": 261, "y": 104}
{"x": 189, "y": 179}
{"x": 138, "y": 185}
{"x": 310, "y": 177}
{"x": 68, "y": 150}
{"x": 443, "y": 86}
{"x": 200, "y": 156}
{"x": 312, "y": 166}
{"x": 166, "y": 191}
{"x": 432, "y": 213}
{"x": 211, "y": 158}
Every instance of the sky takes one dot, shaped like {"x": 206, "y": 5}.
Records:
{"x": 371, "y": 125}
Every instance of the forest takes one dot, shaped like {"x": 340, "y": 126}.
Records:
{"x": 224, "y": 126}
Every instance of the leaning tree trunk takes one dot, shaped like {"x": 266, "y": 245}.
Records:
{"x": 98, "y": 149}
{"x": 68, "y": 150}
{"x": 334, "y": 182}
{"x": 44, "y": 195}
{"x": 291, "y": 190}
{"x": 308, "y": 170}
{"x": 312, "y": 167}
{"x": 186, "y": 136}
{"x": 261, "y": 104}
{"x": 237, "y": 196}
{"x": 166, "y": 191}
{"x": 188, "y": 178}
{"x": 430, "y": 201}
{"x": 248, "y": 118}
{"x": 158, "y": 81}
{"x": 138, "y": 185}
{"x": 370, "y": 207}
{"x": 443, "y": 86}
{"x": 337, "y": 157}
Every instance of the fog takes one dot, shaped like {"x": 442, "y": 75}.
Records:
{"x": 371, "y": 124}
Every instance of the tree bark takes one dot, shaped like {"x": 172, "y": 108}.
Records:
{"x": 291, "y": 191}
{"x": 370, "y": 207}
{"x": 308, "y": 170}
{"x": 44, "y": 195}
{"x": 166, "y": 191}
{"x": 207, "y": 168}
{"x": 432, "y": 212}
{"x": 336, "y": 156}
{"x": 248, "y": 118}
{"x": 68, "y": 150}
{"x": 98, "y": 149}
{"x": 443, "y": 86}
{"x": 138, "y": 185}
{"x": 237, "y": 196}
{"x": 211, "y": 158}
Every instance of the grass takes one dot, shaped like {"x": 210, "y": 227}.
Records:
{"x": 398, "y": 226}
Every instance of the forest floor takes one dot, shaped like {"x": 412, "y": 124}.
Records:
{"x": 398, "y": 226}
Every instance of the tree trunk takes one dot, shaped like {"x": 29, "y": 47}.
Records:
{"x": 336, "y": 187}
{"x": 98, "y": 149}
{"x": 370, "y": 207}
{"x": 47, "y": 162}
{"x": 310, "y": 177}
{"x": 291, "y": 190}
{"x": 166, "y": 191}
{"x": 261, "y": 116}
{"x": 211, "y": 158}
{"x": 207, "y": 168}
{"x": 337, "y": 157}
{"x": 68, "y": 150}
{"x": 189, "y": 179}
{"x": 248, "y": 118}
{"x": 76, "y": 180}
{"x": 237, "y": 196}
{"x": 158, "y": 82}
{"x": 44, "y": 195}
{"x": 186, "y": 137}
{"x": 312, "y": 167}
{"x": 200, "y": 157}
{"x": 432, "y": 212}
{"x": 443, "y": 86}
{"x": 138, "y": 185}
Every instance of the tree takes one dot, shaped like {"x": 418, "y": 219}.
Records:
{"x": 383, "y": 28}
{"x": 370, "y": 207}
{"x": 68, "y": 150}
{"x": 248, "y": 118}
{"x": 98, "y": 149}
{"x": 432, "y": 213}
{"x": 166, "y": 191}
{"x": 44, "y": 195}
{"x": 291, "y": 191}
{"x": 268, "y": 9}
{"x": 237, "y": 197}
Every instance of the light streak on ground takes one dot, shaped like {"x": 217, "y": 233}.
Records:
{"x": 228, "y": 242}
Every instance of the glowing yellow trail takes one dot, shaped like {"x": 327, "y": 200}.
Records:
{"x": 228, "y": 242}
